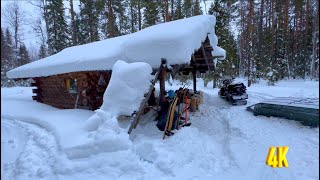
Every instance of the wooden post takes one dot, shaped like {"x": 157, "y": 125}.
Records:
{"x": 143, "y": 104}
{"x": 162, "y": 82}
{"x": 194, "y": 80}
{"x": 162, "y": 76}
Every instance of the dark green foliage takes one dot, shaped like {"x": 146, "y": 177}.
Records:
{"x": 229, "y": 66}
{"x": 177, "y": 10}
{"x": 42, "y": 52}
{"x": 23, "y": 55}
{"x": 197, "y": 8}
{"x": 88, "y": 23}
{"x": 187, "y": 8}
{"x": 57, "y": 27}
{"x": 7, "y": 59}
{"x": 151, "y": 13}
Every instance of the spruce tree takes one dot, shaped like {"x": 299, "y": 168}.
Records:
{"x": 89, "y": 15}
{"x": 151, "y": 13}
{"x": 178, "y": 10}
{"x": 23, "y": 55}
{"x": 132, "y": 13}
{"x": 42, "y": 52}
{"x": 122, "y": 16}
{"x": 80, "y": 31}
{"x": 3, "y": 58}
{"x": 2, "y": 48}
{"x": 229, "y": 66}
{"x": 7, "y": 59}
{"x": 57, "y": 27}
{"x": 197, "y": 8}
{"x": 187, "y": 8}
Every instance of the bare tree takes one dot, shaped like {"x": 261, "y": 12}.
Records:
{"x": 33, "y": 52}
{"x": 40, "y": 31}
{"x": 14, "y": 16}
{"x": 41, "y": 5}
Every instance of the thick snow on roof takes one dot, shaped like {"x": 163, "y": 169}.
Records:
{"x": 175, "y": 41}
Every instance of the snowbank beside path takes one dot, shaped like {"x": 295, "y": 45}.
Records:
{"x": 81, "y": 133}
{"x": 125, "y": 92}
{"x": 223, "y": 142}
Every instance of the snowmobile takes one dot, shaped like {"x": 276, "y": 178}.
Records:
{"x": 233, "y": 92}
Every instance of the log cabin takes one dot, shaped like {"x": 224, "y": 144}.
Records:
{"x": 78, "y": 76}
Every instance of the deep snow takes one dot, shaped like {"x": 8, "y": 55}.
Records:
{"x": 223, "y": 142}
{"x": 175, "y": 40}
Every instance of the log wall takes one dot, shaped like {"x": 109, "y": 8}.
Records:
{"x": 52, "y": 90}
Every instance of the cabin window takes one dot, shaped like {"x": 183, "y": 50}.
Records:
{"x": 71, "y": 85}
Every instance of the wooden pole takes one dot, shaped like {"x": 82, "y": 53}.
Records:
{"x": 194, "y": 80}
{"x": 162, "y": 83}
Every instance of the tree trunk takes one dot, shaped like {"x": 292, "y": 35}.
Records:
{"x": 139, "y": 14}
{"x": 286, "y": 23}
{"x": 306, "y": 38}
{"x": 45, "y": 15}
{"x": 73, "y": 26}
{"x": 315, "y": 45}
{"x": 111, "y": 20}
{"x": 132, "y": 16}
{"x": 250, "y": 28}
{"x": 167, "y": 11}
{"x": 260, "y": 36}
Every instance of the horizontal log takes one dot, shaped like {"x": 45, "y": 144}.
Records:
{"x": 37, "y": 98}
{"x": 36, "y": 91}
{"x": 59, "y": 103}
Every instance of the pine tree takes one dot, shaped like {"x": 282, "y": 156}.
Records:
{"x": 7, "y": 59}
{"x": 2, "y": 48}
{"x": 42, "y": 52}
{"x": 89, "y": 15}
{"x": 23, "y": 55}
{"x": 229, "y": 66}
{"x": 151, "y": 13}
{"x": 57, "y": 26}
{"x": 178, "y": 10}
{"x": 187, "y": 8}
{"x": 3, "y": 58}
{"x": 133, "y": 15}
{"x": 80, "y": 31}
{"x": 112, "y": 28}
{"x": 122, "y": 22}
{"x": 72, "y": 24}
{"x": 197, "y": 8}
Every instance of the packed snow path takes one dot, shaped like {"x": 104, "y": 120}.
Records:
{"x": 223, "y": 142}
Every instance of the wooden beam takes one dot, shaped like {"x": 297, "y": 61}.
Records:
{"x": 214, "y": 57}
{"x": 143, "y": 104}
{"x": 205, "y": 55}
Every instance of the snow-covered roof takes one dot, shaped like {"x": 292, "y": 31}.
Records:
{"x": 176, "y": 41}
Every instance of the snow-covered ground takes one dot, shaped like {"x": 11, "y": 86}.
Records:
{"x": 223, "y": 142}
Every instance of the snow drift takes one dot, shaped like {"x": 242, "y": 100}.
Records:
{"x": 126, "y": 89}
{"x": 175, "y": 41}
